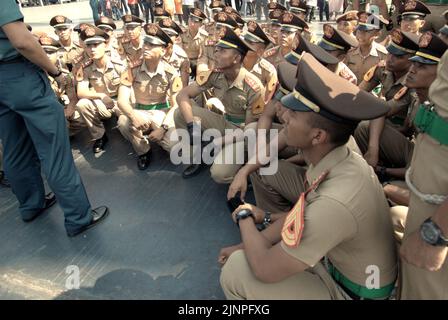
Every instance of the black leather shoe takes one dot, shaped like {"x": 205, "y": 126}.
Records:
{"x": 99, "y": 144}
{"x": 50, "y": 200}
{"x": 98, "y": 215}
{"x": 144, "y": 160}
{"x": 3, "y": 181}
{"x": 192, "y": 170}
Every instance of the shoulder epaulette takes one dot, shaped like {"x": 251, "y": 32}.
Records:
{"x": 250, "y": 79}
{"x": 400, "y": 93}
{"x": 270, "y": 52}
{"x": 135, "y": 63}
{"x": 202, "y": 77}
{"x": 265, "y": 64}
{"x": 369, "y": 74}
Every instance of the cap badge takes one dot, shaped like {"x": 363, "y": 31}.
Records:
{"x": 425, "y": 40}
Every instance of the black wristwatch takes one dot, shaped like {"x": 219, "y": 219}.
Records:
{"x": 432, "y": 234}
{"x": 267, "y": 219}
{"x": 243, "y": 214}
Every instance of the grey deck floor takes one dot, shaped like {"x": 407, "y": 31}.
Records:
{"x": 160, "y": 241}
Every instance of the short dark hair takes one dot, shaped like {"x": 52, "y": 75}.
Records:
{"x": 339, "y": 132}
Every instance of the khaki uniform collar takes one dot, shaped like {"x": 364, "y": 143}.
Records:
{"x": 333, "y": 158}
{"x": 239, "y": 81}
{"x": 109, "y": 65}
{"x": 373, "y": 50}
{"x": 160, "y": 70}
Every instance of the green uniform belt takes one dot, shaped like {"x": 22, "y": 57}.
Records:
{"x": 234, "y": 120}
{"x": 428, "y": 121}
{"x": 360, "y": 291}
{"x": 157, "y": 106}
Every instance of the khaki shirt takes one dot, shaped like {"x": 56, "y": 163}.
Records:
{"x": 103, "y": 81}
{"x": 179, "y": 60}
{"x": 68, "y": 55}
{"x": 347, "y": 220}
{"x": 267, "y": 74}
{"x": 192, "y": 45}
{"x": 393, "y": 91}
{"x": 274, "y": 56}
{"x": 153, "y": 88}
{"x": 206, "y": 59}
{"x": 359, "y": 64}
{"x": 131, "y": 52}
{"x": 246, "y": 93}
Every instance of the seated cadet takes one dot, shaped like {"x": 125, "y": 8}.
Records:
{"x": 395, "y": 149}
{"x": 98, "y": 81}
{"x": 65, "y": 93}
{"x": 206, "y": 60}
{"x": 338, "y": 43}
{"x": 274, "y": 25}
{"x": 154, "y": 84}
{"x": 443, "y": 32}
{"x": 391, "y": 74}
{"x": 424, "y": 267}
{"x": 255, "y": 63}
{"x": 108, "y": 25}
{"x": 413, "y": 16}
{"x": 239, "y": 91}
{"x": 368, "y": 53}
{"x": 290, "y": 26}
{"x": 131, "y": 44}
{"x": 326, "y": 245}
{"x": 174, "y": 54}
{"x": 348, "y": 22}
{"x": 69, "y": 50}
{"x": 194, "y": 38}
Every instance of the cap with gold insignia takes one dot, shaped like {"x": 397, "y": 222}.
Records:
{"x": 60, "y": 22}
{"x": 317, "y": 52}
{"x": 369, "y": 21}
{"x": 49, "y": 44}
{"x": 321, "y": 91}
{"x": 106, "y": 23}
{"x": 275, "y": 16}
{"x": 298, "y": 6}
{"x": 155, "y": 35}
{"x": 92, "y": 35}
{"x": 130, "y": 20}
{"x": 160, "y": 13}
{"x": 292, "y": 23}
{"x": 255, "y": 33}
{"x": 225, "y": 20}
{"x": 170, "y": 27}
{"x": 286, "y": 73}
{"x": 216, "y": 6}
{"x": 235, "y": 15}
{"x": 197, "y": 15}
{"x": 414, "y": 10}
{"x": 430, "y": 49}
{"x": 230, "y": 40}
{"x": 275, "y": 5}
{"x": 444, "y": 29}
{"x": 81, "y": 26}
{"x": 334, "y": 39}
{"x": 351, "y": 15}
{"x": 402, "y": 43}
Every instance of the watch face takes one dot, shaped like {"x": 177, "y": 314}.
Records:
{"x": 429, "y": 233}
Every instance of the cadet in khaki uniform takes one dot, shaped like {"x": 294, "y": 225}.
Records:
{"x": 131, "y": 44}
{"x": 194, "y": 38}
{"x": 424, "y": 249}
{"x": 174, "y": 54}
{"x": 290, "y": 25}
{"x": 255, "y": 63}
{"x": 108, "y": 25}
{"x": 348, "y": 22}
{"x": 70, "y": 50}
{"x": 206, "y": 60}
{"x": 65, "y": 93}
{"x": 368, "y": 53}
{"x": 274, "y": 25}
{"x": 338, "y": 43}
{"x": 240, "y": 93}
{"x": 154, "y": 84}
{"x": 98, "y": 81}
{"x": 392, "y": 75}
{"x": 349, "y": 227}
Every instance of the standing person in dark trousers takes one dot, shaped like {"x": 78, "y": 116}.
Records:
{"x": 124, "y": 7}
{"x": 259, "y": 4}
{"x": 94, "y": 7}
{"x": 133, "y": 6}
{"x": 323, "y": 8}
{"x": 33, "y": 129}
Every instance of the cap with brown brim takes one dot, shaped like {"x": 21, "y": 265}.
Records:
{"x": 230, "y": 40}
{"x": 334, "y": 39}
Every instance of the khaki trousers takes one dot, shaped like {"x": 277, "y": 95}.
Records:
{"x": 238, "y": 283}
{"x": 92, "y": 112}
{"x": 139, "y": 142}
